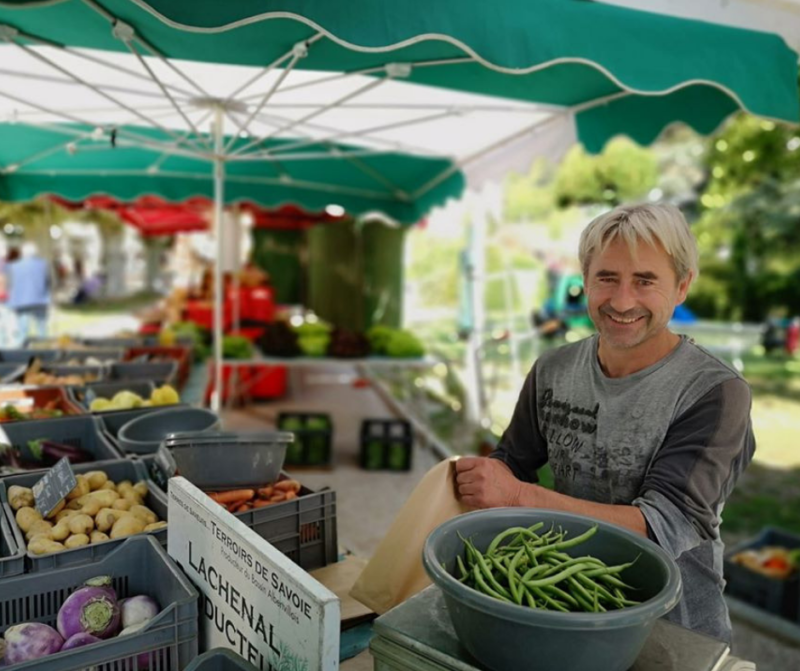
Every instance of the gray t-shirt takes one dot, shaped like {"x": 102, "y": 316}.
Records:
{"x": 671, "y": 439}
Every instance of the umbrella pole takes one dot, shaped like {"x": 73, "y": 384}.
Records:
{"x": 219, "y": 297}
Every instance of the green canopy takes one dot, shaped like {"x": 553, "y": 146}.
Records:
{"x": 92, "y": 167}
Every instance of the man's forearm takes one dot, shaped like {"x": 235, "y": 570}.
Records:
{"x": 630, "y": 517}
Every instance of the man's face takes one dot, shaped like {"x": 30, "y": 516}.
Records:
{"x": 631, "y": 299}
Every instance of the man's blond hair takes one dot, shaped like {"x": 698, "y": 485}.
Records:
{"x": 653, "y": 223}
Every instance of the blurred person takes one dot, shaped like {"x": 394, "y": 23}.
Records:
{"x": 8, "y": 320}
{"x": 29, "y": 291}
{"x": 641, "y": 427}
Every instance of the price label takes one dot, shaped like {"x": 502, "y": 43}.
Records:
{"x": 54, "y": 486}
{"x": 163, "y": 467}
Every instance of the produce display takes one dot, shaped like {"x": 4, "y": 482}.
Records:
{"x": 313, "y": 338}
{"x": 126, "y": 400}
{"x": 279, "y": 339}
{"x": 348, "y": 345}
{"x": 770, "y": 561}
{"x": 34, "y": 375}
{"x": 531, "y": 570}
{"x": 14, "y": 412}
{"x": 96, "y": 510}
{"x": 394, "y": 342}
{"x": 91, "y": 614}
{"x": 240, "y": 500}
{"x": 236, "y": 347}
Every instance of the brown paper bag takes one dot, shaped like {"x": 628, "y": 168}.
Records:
{"x": 395, "y": 571}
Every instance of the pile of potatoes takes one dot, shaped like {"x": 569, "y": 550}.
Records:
{"x": 96, "y": 510}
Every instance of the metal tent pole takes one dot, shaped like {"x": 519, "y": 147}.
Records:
{"x": 219, "y": 297}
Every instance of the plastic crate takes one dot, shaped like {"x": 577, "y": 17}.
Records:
{"x": 116, "y": 470}
{"x": 159, "y": 372}
{"x": 113, "y": 420}
{"x": 62, "y": 370}
{"x": 775, "y": 595}
{"x": 137, "y": 565}
{"x": 108, "y": 390}
{"x": 11, "y": 372}
{"x": 220, "y": 659}
{"x": 12, "y": 558}
{"x": 26, "y": 398}
{"x": 386, "y": 444}
{"x": 313, "y": 438}
{"x": 25, "y": 355}
{"x": 84, "y": 432}
{"x": 102, "y": 354}
{"x": 181, "y": 355}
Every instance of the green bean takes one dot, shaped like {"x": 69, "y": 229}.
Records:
{"x": 489, "y": 576}
{"x": 548, "y": 600}
{"x": 512, "y": 577}
{"x": 552, "y": 580}
{"x": 485, "y": 588}
{"x": 462, "y": 569}
{"x": 589, "y": 583}
{"x": 597, "y": 572}
{"x": 564, "y": 596}
{"x": 513, "y": 530}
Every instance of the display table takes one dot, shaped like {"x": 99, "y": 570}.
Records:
{"x": 418, "y": 636}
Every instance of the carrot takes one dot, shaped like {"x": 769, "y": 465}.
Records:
{"x": 213, "y": 496}
{"x": 291, "y": 495}
{"x": 261, "y": 503}
{"x": 235, "y": 495}
{"x": 266, "y": 492}
{"x": 277, "y": 497}
{"x": 287, "y": 485}
{"x": 242, "y": 507}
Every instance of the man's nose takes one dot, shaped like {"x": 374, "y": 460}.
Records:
{"x": 623, "y": 298}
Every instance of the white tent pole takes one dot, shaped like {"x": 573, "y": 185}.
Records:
{"x": 219, "y": 297}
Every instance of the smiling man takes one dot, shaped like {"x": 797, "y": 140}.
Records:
{"x": 641, "y": 426}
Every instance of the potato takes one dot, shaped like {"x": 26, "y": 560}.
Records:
{"x": 26, "y": 517}
{"x": 42, "y": 546}
{"x": 96, "y": 479}
{"x": 64, "y": 514}
{"x": 144, "y": 513}
{"x": 107, "y": 517}
{"x": 20, "y": 497}
{"x": 40, "y": 527}
{"x": 127, "y": 526}
{"x": 76, "y": 541}
{"x": 44, "y": 536}
{"x": 124, "y": 486}
{"x": 81, "y": 489}
{"x": 108, "y": 485}
{"x": 98, "y": 537}
{"x": 74, "y": 505}
{"x": 61, "y": 530}
{"x": 155, "y": 525}
{"x": 91, "y": 508}
{"x": 59, "y": 507}
{"x": 104, "y": 497}
{"x": 123, "y": 504}
{"x": 141, "y": 489}
{"x": 80, "y": 524}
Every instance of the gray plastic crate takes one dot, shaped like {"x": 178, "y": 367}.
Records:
{"x": 163, "y": 371}
{"x": 25, "y": 355}
{"x": 62, "y": 369}
{"x": 84, "y": 395}
{"x": 102, "y": 354}
{"x": 137, "y": 565}
{"x": 11, "y": 372}
{"x": 220, "y": 659}
{"x": 116, "y": 470}
{"x": 80, "y": 431}
{"x": 12, "y": 559}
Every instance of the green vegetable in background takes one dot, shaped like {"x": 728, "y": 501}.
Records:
{"x": 317, "y": 423}
{"x": 379, "y": 337}
{"x": 236, "y": 347}
{"x": 312, "y": 329}
{"x": 318, "y": 450}
{"x": 314, "y": 345}
{"x": 403, "y": 344}
{"x": 398, "y": 456}
{"x": 373, "y": 459}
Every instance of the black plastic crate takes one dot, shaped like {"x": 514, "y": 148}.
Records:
{"x": 12, "y": 558}
{"x": 81, "y": 431}
{"x": 313, "y": 438}
{"x": 117, "y": 471}
{"x": 158, "y": 372}
{"x": 386, "y": 444}
{"x": 169, "y": 642}
{"x": 11, "y": 373}
{"x": 775, "y": 595}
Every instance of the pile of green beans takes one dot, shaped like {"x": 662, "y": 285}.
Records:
{"x": 532, "y": 570}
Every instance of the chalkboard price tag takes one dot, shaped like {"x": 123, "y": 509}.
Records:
{"x": 54, "y": 486}
{"x": 163, "y": 467}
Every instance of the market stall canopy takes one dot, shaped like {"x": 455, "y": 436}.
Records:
{"x": 366, "y": 105}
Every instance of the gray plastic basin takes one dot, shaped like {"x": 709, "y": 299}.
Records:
{"x": 213, "y": 461}
{"x": 507, "y": 637}
{"x": 145, "y": 433}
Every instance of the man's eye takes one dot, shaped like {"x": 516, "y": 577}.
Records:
{"x": 645, "y": 283}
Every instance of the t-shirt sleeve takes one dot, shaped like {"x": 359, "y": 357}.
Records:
{"x": 694, "y": 471}
{"x": 522, "y": 447}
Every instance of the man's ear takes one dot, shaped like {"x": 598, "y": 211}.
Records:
{"x": 683, "y": 287}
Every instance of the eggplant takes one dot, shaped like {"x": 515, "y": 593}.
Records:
{"x": 49, "y": 452}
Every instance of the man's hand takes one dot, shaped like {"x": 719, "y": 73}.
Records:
{"x": 486, "y": 483}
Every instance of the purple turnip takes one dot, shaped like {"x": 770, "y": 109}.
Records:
{"x": 92, "y": 610}
{"x": 104, "y": 582}
{"x": 143, "y": 658}
{"x": 137, "y": 610}
{"x": 31, "y": 640}
{"x": 79, "y": 640}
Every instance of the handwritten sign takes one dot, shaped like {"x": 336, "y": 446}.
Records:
{"x": 54, "y": 486}
{"x": 254, "y": 599}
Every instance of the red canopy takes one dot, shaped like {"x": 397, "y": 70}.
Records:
{"x": 154, "y": 216}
